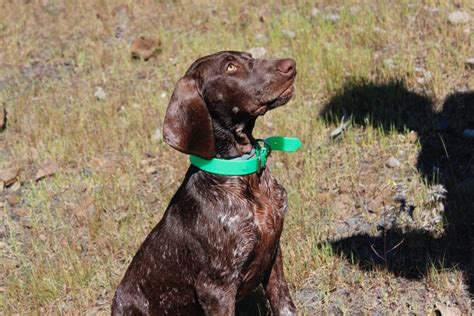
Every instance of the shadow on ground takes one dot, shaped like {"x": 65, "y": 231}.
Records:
{"x": 446, "y": 158}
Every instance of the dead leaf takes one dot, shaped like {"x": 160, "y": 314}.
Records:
{"x": 9, "y": 176}
{"x": 47, "y": 170}
{"x": 145, "y": 47}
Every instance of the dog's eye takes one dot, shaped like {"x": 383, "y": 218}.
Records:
{"x": 231, "y": 68}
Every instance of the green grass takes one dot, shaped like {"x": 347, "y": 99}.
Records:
{"x": 71, "y": 257}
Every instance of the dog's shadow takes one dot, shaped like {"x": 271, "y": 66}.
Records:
{"x": 446, "y": 157}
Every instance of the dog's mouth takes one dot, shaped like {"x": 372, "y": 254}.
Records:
{"x": 282, "y": 98}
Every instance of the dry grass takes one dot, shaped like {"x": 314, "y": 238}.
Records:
{"x": 68, "y": 241}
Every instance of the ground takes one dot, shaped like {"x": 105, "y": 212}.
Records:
{"x": 380, "y": 211}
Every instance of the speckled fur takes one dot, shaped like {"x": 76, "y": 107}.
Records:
{"x": 217, "y": 241}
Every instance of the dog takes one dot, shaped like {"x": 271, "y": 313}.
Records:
{"x": 219, "y": 237}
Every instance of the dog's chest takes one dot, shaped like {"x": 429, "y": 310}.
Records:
{"x": 261, "y": 230}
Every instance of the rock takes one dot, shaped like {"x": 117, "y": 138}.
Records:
{"x": 393, "y": 162}
{"x": 9, "y": 176}
{"x": 100, "y": 94}
{"x": 469, "y": 65}
{"x": 289, "y": 34}
{"x": 333, "y": 18}
{"x": 257, "y": 52}
{"x": 47, "y": 170}
{"x": 458, "y": 17}
{"x": 145, "y": 48}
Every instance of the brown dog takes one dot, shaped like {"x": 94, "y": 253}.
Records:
{"x": 219, "y": 237}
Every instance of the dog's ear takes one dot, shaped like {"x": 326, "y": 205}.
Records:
{"x": 188, "y": 125}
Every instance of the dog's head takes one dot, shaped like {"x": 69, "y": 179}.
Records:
{"x": 229, "y": 88}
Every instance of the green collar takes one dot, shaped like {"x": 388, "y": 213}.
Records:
{"x": 240, "y": 167}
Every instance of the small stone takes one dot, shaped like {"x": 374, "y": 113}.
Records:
{"x": 100, "y": 94}
{"x": 9, "y": 176}
{"x": 333, "y": 18}
{"x": 13, "y": 200}
{"x": 47, "y": 170}
{"x": 432, "y": 10}
{"x": 469, "y": 65}
{"x": 151, "y": 170}
{"x": 315, "y": 12}
{"x": 289, "y": 34}
{"x": 458, "y": 17}
{"x": 257, "y": 52}
{"x": 392, "y": 162}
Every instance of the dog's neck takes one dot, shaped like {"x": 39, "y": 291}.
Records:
{"x": 235, "y": 140}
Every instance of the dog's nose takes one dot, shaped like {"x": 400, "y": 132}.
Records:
{"x": 286, "y": 67}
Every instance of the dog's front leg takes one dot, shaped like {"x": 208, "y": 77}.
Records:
{"x": 216, "y": 297}
{"x": 276, "y": 289}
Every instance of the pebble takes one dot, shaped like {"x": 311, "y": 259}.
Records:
{"x": 458, "y": 17}
{"x": 257, "y": 52}
{"x": 469, "y": 64}
{"x": 289, "y": 34}
{"x": 392, "y": 162}
{"x": 315, "y": 12}
{"x": 334, "y": 18}
{"x": 100, "y": 94}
